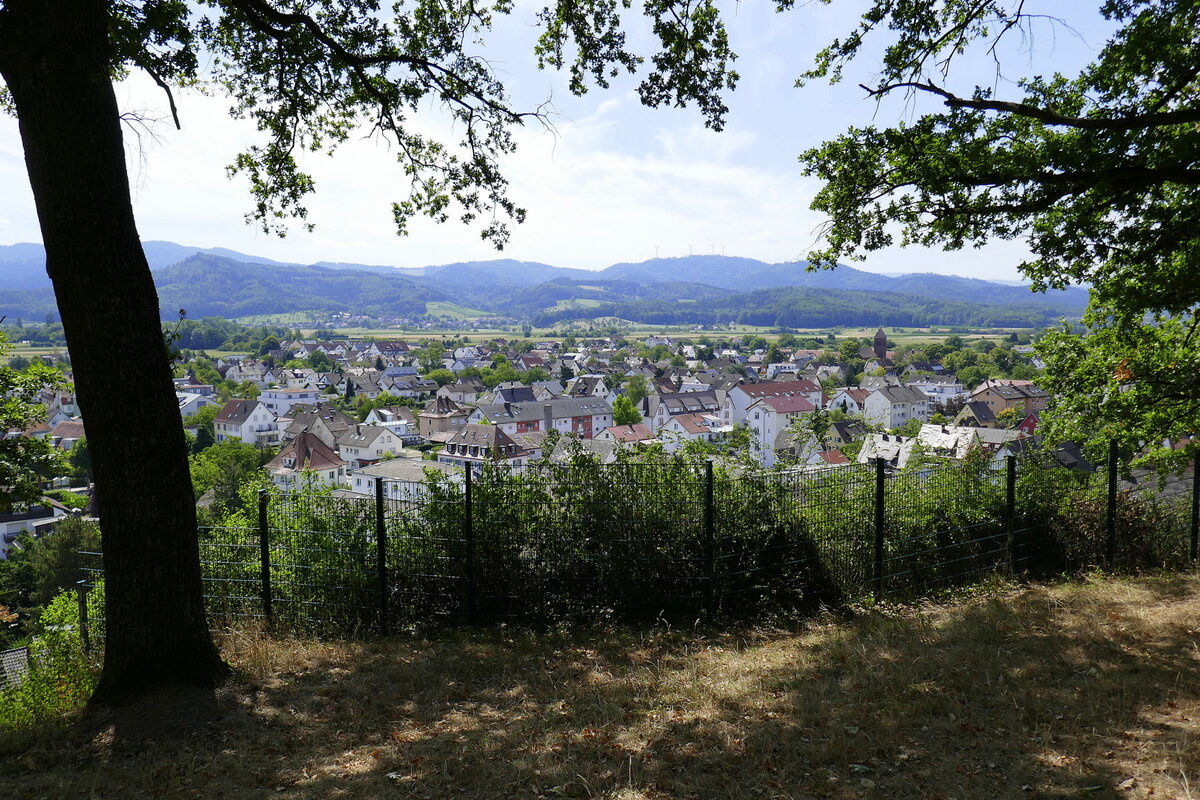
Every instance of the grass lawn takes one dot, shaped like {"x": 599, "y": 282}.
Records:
{"x": 1081, "y": 690}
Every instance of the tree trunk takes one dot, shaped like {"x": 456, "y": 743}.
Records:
{"x": 54, "y": 58}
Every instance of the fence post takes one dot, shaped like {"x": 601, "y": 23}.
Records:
{"x": 1195, "y": 507}
{"x": 710, "y": 567}
{"x": 381, "y": 556}
{"x": 264, "y": 554}
{"x": 1010, "y": 509}
{"x": 1110, "y": 543}
{"x": 84, "y": 635}
{"x": 469, "y": 540}
{"x": 880, "y": 490}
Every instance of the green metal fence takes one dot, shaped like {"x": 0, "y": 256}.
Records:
{"x": 679, "y": 540}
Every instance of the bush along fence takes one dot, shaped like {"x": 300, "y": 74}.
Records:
{"x": 677, "y": 540}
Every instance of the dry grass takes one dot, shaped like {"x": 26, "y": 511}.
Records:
{"x": 1081, "y": 690}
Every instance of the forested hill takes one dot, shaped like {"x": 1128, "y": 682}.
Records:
{"x": 697, "y": 289}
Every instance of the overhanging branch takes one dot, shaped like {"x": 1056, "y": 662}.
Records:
{"x": 1135, "y": 122}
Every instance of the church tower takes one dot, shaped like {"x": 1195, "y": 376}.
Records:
{"x": 880, "y": 346}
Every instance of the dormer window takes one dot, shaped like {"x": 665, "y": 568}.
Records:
{"x": 289, "y": 462}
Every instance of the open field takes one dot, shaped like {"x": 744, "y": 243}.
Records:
{"x": 454, "y": 311}
{"x": 1084, "y": 690}
{"x": 29, "y": 351}
{"x": 905, "y": 336}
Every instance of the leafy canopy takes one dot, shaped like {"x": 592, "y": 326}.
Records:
{"x": 24, "y": 459}
{"x": 1096, "y": 172}
{"x": 311, "y": 74}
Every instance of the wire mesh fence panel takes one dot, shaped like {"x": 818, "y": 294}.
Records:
{"x": 792, "y": 539}
{"x": 590, "y": 540}
{"x": 945, "y": 525}
{"x": 324, "y": 562}
{"x": 230, "y": 570}
{"x": 427, "y": 555}
{"x": 91, "y": 584}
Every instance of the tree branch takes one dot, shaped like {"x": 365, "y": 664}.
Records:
{"x": 1135, "y": 122}
{"x": 162, "y": 85}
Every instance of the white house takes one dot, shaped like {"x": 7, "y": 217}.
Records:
{"x": 280, "y": 401}
{"x": 892, "y": 406}
{"x": 849, "y": 400}
{"x": 367, "y": 444}
{"x": 741, "y": 397}
{"x": 769, "y": 417}
{"x": 939, "y": 388}
{"x": 36, "y": 520}
{"x": 190, "y": 403}
{"x": 246, "y": 420}
{"x": 403, "y": 478}
{"x": 683, "y": 428}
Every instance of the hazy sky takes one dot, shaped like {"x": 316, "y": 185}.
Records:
{"x": 612, "y": 182}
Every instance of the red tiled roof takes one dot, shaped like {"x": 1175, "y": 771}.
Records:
{"x": 834, "y": 458}
{"x": 630, "y": 433}
{"x": 789, "y": 404}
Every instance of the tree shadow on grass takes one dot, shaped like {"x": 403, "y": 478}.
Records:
{"x": 1073, "y": 691}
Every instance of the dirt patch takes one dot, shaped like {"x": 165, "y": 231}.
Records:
{"x": 1080, "y": 690}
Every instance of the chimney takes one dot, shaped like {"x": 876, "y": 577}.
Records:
{"x": 547, "y": 419}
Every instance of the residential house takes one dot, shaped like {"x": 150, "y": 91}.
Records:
{"x": 844, "y": 432}
{"x": 464, "y": 392}
{"x": 892, "y": 406}
{"x": 976, "y": 414}
{"x": 850, "y": 400}
{"x": 363, "y": 445}
{"x": 584, "y": 417}
{"x": 400, "y": 420}
{"x": 322, "y": 420}
{"x": 894, "y": 450}
{"x": 741, "y": 397}
{"x": 768, "y": 417}
{"x": 939, "y": 388}
{"x": 248, "y": 421}
{"x": 474, "y": 445}
{"x": 629, "y": 434}
{"x": 66, "y": 434}
{"x": 657, "y": 409}
{"x": 441, "y": 418}
{"x": 191, "y": 403}
{"x": 1000, "y": 396}
{"x": 281, "y": 401}
{"x": 36, "y": 520}
{"x": 306, "y": 462}
{"x": 402, "y": 478}
{"x": 682, "y": 428}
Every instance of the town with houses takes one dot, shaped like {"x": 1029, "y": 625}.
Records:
{"x": 421, "y": 409}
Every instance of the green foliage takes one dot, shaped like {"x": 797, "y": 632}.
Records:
{"x": 321, "y": 361}
{"x": 223, "y": 468}
{"x": 441, "y": 376}
{"x": 24, "y": 460}
{"x": 1125, "y": 379}
{"x": 636, "y": 388}
{"x": 61, "y": 675}
{"x": 624, "y": 412}
{"x": 80, "y": 460}
{"x": 1093, "y": 172}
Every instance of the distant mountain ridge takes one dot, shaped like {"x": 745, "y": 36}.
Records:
{"x": 221, "y": 282}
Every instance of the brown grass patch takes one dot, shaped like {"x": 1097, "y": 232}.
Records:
{"x": 1081, "y": 690}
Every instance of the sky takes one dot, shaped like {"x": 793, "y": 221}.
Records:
{"x": 610, "y": 182}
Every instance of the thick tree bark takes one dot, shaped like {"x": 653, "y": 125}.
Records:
{"x": 54, "y": 58}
